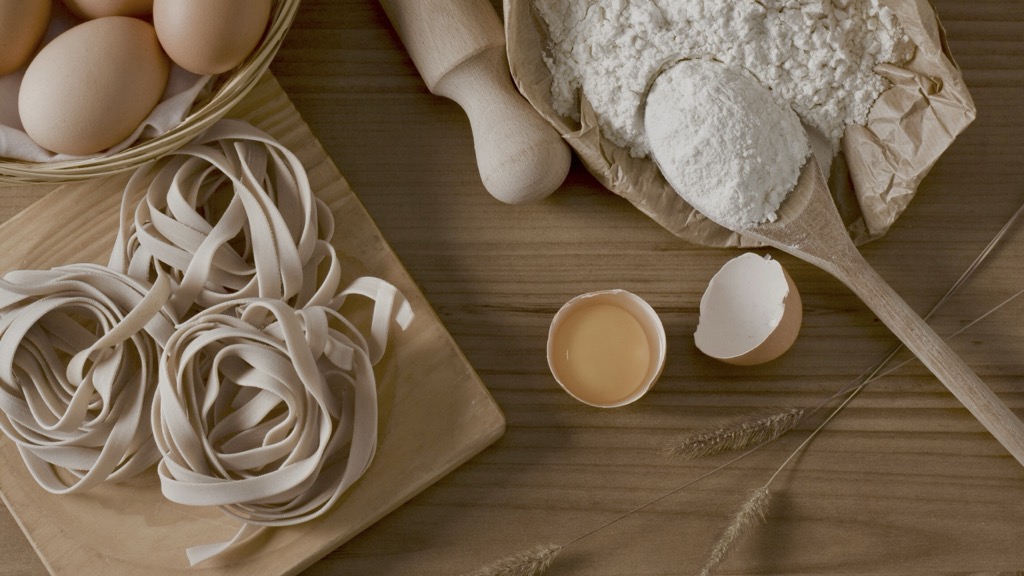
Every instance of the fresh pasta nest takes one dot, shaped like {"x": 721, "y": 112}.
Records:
{"x": 267, "y": 411}
{"x": 79, "y": 347}
{"x": 229, "y": 216}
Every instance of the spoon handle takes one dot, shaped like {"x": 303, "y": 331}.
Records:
{"x": 930, "y": 348}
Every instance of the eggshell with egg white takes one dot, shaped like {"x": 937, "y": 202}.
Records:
{"x": 210, "y": 36}
{"x": 751, "y": 312}
{"x": 22, "y": 26}
{"x": 93, "y": 85}
{"x": 607, "y": 349}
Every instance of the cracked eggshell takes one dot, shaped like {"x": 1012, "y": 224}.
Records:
{"x": 597, "y": 383}
{"x": 750, "y": 313}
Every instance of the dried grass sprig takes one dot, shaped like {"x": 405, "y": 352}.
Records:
{"x": 752, "y": 513}
{"x": 738, "y": 434}
{"x": 532, "y": 562}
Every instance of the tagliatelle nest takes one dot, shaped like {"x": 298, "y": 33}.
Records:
{"x": 79, "y": 347}
{"x": 229, "y": 216}
{"x": 270, "y": 412}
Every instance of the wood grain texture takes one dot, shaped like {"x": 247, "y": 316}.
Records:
{"x": 905, "y": 480}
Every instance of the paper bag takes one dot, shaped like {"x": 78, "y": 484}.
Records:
{"x": 872, "y": 179}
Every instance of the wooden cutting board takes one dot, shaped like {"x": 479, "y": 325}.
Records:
{"x": 434, "y": 411}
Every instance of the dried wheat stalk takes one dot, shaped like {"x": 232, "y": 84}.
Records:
{"x": 752, "y": 507}
{"x": 754, "y": 429}
{"x": 753, "y": 512}
{"x": 532, "y": 562}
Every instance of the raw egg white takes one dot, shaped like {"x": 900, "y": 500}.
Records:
{"x": 210, "y": 36}
{"x": 89, "y": 9}
{"x": 92, "y": 86}
{"x": 750, "y": 313}
{"x": 22, "y": 26}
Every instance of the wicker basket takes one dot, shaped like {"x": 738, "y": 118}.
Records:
{"x": 229, "y": 89}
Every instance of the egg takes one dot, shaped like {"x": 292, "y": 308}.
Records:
{"x": 750, "y": 313}
{"x": 92, "y": 86}
{"x": 89, "y": 9}
{"x": 22, "y": 26}
{"x": 210, "y": 36}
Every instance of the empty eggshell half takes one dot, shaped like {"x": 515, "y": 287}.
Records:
{"x": 750, "y": 313}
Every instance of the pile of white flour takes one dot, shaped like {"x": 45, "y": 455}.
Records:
{"x": 817, "y": 55}
{"x": 724, "y": 142}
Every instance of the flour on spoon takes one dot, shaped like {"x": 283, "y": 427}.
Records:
{"x": 724, "y": 142}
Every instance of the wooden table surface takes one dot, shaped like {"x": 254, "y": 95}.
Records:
{"x": 903, "y": 480}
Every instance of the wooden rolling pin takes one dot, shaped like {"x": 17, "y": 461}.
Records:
{"x": 458, "y": 47}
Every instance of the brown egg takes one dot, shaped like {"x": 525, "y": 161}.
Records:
{"x": 22, "y": 25}
{"x": 210, "y": 36}
{"x": 89, "y": 9}
{"x": 93, "y": 85}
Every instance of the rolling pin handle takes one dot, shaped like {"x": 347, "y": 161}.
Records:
{"x": 458, "y": 47}
{"x": 521, "y": 158}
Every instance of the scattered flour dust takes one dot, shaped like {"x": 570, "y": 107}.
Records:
{"x": 724, "y": 142}
{"x": 817, "y": 55}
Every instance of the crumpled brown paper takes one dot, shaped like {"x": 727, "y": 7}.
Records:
{"x": 872, "y": 179}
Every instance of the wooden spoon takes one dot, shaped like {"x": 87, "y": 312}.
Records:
{"x": 809, "y": 227}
